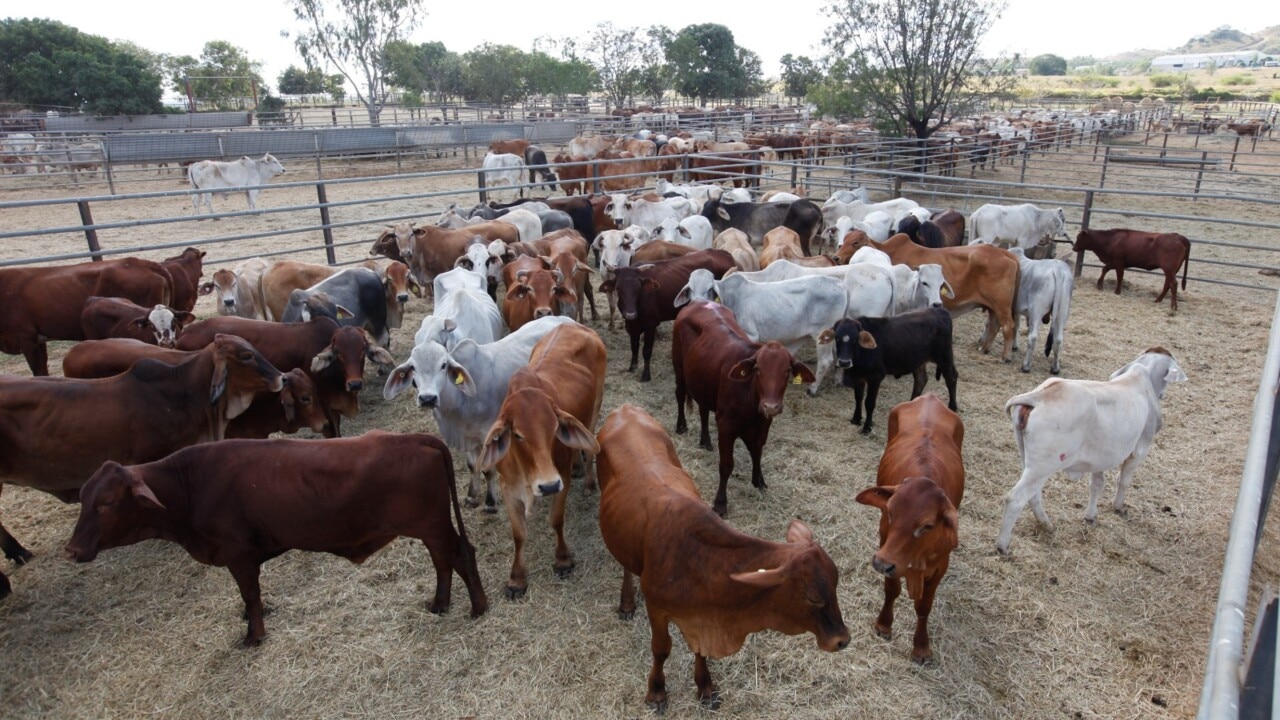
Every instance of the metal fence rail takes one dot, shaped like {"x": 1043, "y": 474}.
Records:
{"x": 1232, "y": 687}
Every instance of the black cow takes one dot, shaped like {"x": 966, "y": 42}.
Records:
{"x": 756, "y": 219}
{"x": 647, "y": 293}
{"x": 581, "y": 216}
{"x": 536, "y": 160}
{"x": 356, "y": 297}
{"x": 871, "y": 348}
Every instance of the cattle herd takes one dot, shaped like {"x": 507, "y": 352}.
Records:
{"x": 178, "y": 446}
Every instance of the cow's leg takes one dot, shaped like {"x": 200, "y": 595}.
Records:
{"x": 563, "y": 565}
{"x": 988, "y": 333}
{"x": 656, "y": 698}
{"x": 635, "y": 350}
{"x": 591, "y": 298}
{"x": 1033, "y": 334}
{"x": 1096, "y": 481}
{"x": 708, "y": 695}
{"x": 1169, "y": 281}
{"x": 1119, "y": 278}
{"x": 1008, "y": 327}
{"x": 949, "y": 376}
{"x": 473, "y": 489}
{"x": 1126, "y": 475}
{"x": 5, "y": 587}
{"x": 873, "y": 391}
{"x": 37, "y": 355}
{"x": 1027, "y": 487}
{"x": 883, "y": 625}
{"x": 704, "y": 439}
{"x": 826, "y": 353}
{"x": 755, "y": 442}
{"x": 12, "y": 549}
{"x": 859, "y": 389}
{"x": 442, "y": 561}
{"x": 921, "y": 652}
{"x": 245, "y": 573}
{"x": 627, "y": 603}
{"x": 464, "y": 563}
{"x": 919, "y": 378}
{"x": 682, "y": 396}
{"x": 650, "y": 335}
{"x": 725, "y": 440}
{"x": 518, "y": 583}
{"x": 253, "y": 200}
{"x": 1103, "y": 276}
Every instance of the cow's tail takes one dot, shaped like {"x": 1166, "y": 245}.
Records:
{"x": 948, "y": 355}
{"x": 1058, "y": 315}
{"x": 1019, "y": 413}
{"x": 1186, "y": 263}
{"x": 468, "y": 550}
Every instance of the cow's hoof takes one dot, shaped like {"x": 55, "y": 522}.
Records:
{"x": 471, "y": 502}
{"x": 563, "y": 570}
{"x": 514, "y": 593}
{"x": 866, "y": 430}
{"x": 883, "y": 634}
{"x": 658, "y": 705}
{"x": 681, "y": 428}
{"x": 1025, "y": 368}
{"x": 710, "y": 701}
{"x": 706, "y": 445}
{"x": 438, "y": 607}
{"x": 250, "y": 640}
{"x": 1003, "y": 552}
{"x": 721, "y": 509}
{"x": 627, "y": 614}
{"x": 20, "y": 556}
{"x": 923, "y": 660}
{"x": 1090, "y": 521}
{"x": 1122, "y": 511}
{"x": 811, "y": 392}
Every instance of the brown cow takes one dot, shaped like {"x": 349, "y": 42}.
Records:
{"x": 138, "y": 416}
{"x": 574, "y": 179}
{"x": 715, "y": 583}
{"x": 918, "y": 489}
{"x": 534, "y": 294}
{"x": 659, "y": 250}
{"x": 513, "y": 147}
{"x": 236, "y": 291}
{"x": 335, "y": 496}
{"x": 551, "y": 405}
{"x": 647, "y": 293}
{"x": 285, "y": 276}
{"x": 44, "y": 303}
{"x": 398, "y": 283}
{"x": 431, "y": 250}
{"x": 742, "y": 381}
{"x": 980, "y": 276}
{"x": 1119, "y": 249}
{"x": 185, "y": 270}
{"x": 103, "y": 358}
{"x": 783, "y": 243}
{"x": 104, "y": 318}
{"x": 578, "y": 279}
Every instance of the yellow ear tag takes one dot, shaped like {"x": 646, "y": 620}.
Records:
{"x": 715, "y": 298}
{"x": 458, "y": 379}
{"x": 796, "y": 379}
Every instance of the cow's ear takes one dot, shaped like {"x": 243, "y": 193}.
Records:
{"x": 572, "y": 433}
{"x": 205, "y": 288}
{"x": 798, "y": 532}
{"x": 866, "y": 340}
{"x": 801, "y": 372}
{"x": 1175, "y": 374}
{"x": 495, "y": 446}
{"x": 459, "y": 376}
{"x": 606, "y": 286}
{"x": 946, "y": 290}
{"x": 724, "y": 214}
{"x": 286, "y": 401}
{"x": 343, "y": 313}
{"x": 743, "y": 369}
{"x": 399, "y": 380}
{"x": 650, "y": 284}
{"x": 877, "y": 496}
{"x": 762, "y": 578}
{"x": 141, "y": 322}
{"x": 322, "y": 360}
{"x": 143, "y": 494}
{"x": 683, "y": 297}
{"x": 218, "y": 385}
{"x": 518, "y": 292}
{"x": 415, "y": 288}
{"x": 184, "y": 318}
{"x": 379, "y": 355}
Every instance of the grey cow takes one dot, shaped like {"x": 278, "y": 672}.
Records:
{"x": 354, "y": 296}
{"x": 1044, "y": 295}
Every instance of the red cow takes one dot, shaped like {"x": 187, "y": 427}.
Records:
{"x": 550, "y": 408}
{"x": 742, "y": 381}
{"x": 44, "y": 303}
{"x": 335, "y": 496}
{"x": 1120, "y": 249}
{"x": 918, "y": 490}
{"x": 647, "y": 293}
{"x": 54, "y": 432}
{"x": 185, "y": 270}
{"x": 716, "y": 584}
{"x": 103, "y": 318}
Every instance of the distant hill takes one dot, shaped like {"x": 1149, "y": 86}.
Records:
{"x": 1222, "y": 39}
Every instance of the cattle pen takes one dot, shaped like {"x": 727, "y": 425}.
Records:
{"x": 1110, "y": 621}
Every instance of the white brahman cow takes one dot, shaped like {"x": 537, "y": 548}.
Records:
{"x": 1024, "y": 226}
{"x": 1084, "y": 427}
{"x": 1044, "y": 293}
{"x": 503, "y": 170}
{"x": 215, "y": 176}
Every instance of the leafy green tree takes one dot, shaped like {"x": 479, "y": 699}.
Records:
{"x": 492, "y": 73}
{"x": 351, "y": 36}
{"x": 656, "y": 76}
{"x": 546, "y": 75}
{"x": 430, "y": 68}
{"x": 708, "y": 64}
{"x": 915, "y": 63}
{"x": 221, "y": 76}
{"x": 47, "y": 63}
{"x": 799, "y": 74}
{"x": 297, "y": 81}
{"x": 1047, "y": 65}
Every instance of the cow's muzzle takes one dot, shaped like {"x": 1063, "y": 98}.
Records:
{"x": 770, "y": 410}
{"x": 402, "y": 298}
{"x": 229, "y": 302}
{"x": 355, "y": 385}
{"x": 884, "y": 568}
{"x": 550, "y": 488}
{"x": 629, "y": 316}
{"x": 843, "y": 363}
{"x": 77, "y": 555}
{"x": 428, "y": 401}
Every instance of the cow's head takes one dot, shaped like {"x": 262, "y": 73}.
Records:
{"x": 239, "y": 373}
{"x": 801, "y": 591}
{"x": 269, "y": 166}
{"x": 1161, "y": 369}
{"x": 854, "y": 346}
{"x": 315, "y": 305}
{"x": 433, "y": 371}
{"x": 616, "y": 247}
{"x": 851, "y": 243}
{"x": 223, "y": 287}
{"x": 522, "y": 440}
{"x": 618, "y": 209}
{"x": 396, "y": 241}
{"x": 701, "y": 286}
{"x": 347, "y": 351}
{"x": 932, "y": 287}
{"x": 919, "y": 524}
{"x": 768, "y": 372}
{"x": 1060, "y": 225}
{"x": 116, "y": 508}
{"x": 165, "y": 323}
{"x": 540, "y": 291}
{"x": 301, "y": 402}
{"x": 630, "y": 283}
{"x": 1084, "y": 241}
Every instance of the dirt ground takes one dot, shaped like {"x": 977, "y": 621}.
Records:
{"x": 1086, "y": 622}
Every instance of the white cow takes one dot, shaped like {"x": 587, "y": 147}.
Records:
{"x": 1044, "y": 292}
{"x": 501, "y": 170}
{"x": 735, "y": 195}
{"x": 916, "y": 289}
{"x": 832, "y": 211}
{"x": 1024, "y": 226}
{"x": 1084, "y": 427}
{"x": 789, "y": 311}
{"x": 464, "y": 386}
{"x": 699, "y": 195}
{"x": 463, "y": 310}
{"x": 214, "y": 176}
{"x": 625, "y": 211}
{"x": 18, "y": 150}
{"x": 877, "y": 226}
{"x": 694, "y": 231}
{"x": 616, "y": 247}
{"x": 847, "y": 196}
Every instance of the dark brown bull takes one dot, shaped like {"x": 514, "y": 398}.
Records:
{"x": 1119, "y": 249}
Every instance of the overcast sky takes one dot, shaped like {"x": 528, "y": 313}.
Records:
{"x": 1080, "y": 27}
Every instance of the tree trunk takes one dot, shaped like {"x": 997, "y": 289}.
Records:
{"x": 375, "y": 110}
